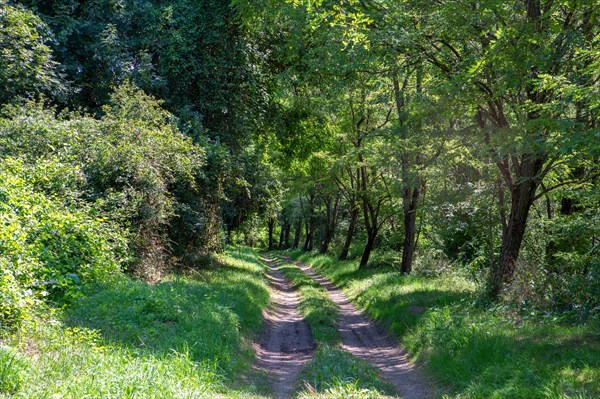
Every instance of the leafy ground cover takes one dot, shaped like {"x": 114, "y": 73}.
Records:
{"x": 185, "y": 337}
{"x": 477, "y": 351}
{"x": 332, "y": 373}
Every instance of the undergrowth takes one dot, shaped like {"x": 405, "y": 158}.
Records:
{"x": 476, "y": 350}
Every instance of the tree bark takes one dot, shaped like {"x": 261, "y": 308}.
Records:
{"x": 412, "y": 185}
{"x": 309, "y": 224}
{"x": 297, "y": 232}
{"x": 308, "y": 242}
{"x": 522, "y": 197}
{"x": 286, "y": 235}
{"x": 350, "y": 233}
{"x": 271, "y": 224}
{"x": 411, "y": 203}
{"x": 281, "y": 235}
{"x": 364, "y": 260}
{"x": 371, "y": 217}
{"x": 330, "y": 222}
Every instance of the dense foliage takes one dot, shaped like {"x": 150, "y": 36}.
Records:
{"x": 454, "y": 135}
{"x": 154, "y": 177}
{"x": 47, "y": 247}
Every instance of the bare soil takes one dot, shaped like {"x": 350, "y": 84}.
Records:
{"x": 287, "y": 343}
{"x": 362, "y": 338}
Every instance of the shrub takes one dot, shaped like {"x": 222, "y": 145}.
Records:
{"x": 125, "y": 165}
{"x": 46, "y": 246}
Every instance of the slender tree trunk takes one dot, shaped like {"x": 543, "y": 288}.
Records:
{"x": 370, "y": 215}
{"x": 325, "y": 241}
{"x": 522, "y": 197}
{"x": 411, "y": 202}
{"x": 350, "y": 233}
{"x": 281, "y": 235}
{"x": 271, "y": 224}
{"x": 364, "y": 260}
{"x": 286, "y": 235}
{"x": 330, "y": 223}
{"x": 297, "y": 232}
{"x": 525, "y": 181}
{"x": 412, "y": 185}
{"x": 310, "y": 224}
{"x": 308, "y": 242}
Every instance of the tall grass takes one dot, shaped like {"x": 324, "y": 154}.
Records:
{"x": 477, "y": 351}
{"x": 185, "y": 337}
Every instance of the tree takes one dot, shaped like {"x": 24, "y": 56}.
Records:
{"x": 27, "y": 68}
{"x": 514, "y": 48}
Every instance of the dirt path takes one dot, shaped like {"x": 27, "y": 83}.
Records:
{"x": 361, "y": 337}
{"x": 287, "y": 343}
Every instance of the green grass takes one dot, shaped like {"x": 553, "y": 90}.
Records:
{"x": 186, "y": 337}
{"x": 332, "y": 373}
{"x": 477, "y": 352}
{"x": 315, "y": 306}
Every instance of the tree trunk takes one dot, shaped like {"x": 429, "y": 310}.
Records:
{"x": 370, "y": 216}
{"x": 349, "y": 234}
{"x": 286, "y": 235}
{"x": 308, "y": 242}
{"x": 281, "y": 235}
{"x": 412, "y": 185}
{"x": 271, "y": 228}
{"x": 524, "y": 182}
{"x": 330, "y": 223}
{"x": 364, "y": 260}
{"x": 411, "y": 203}
{"x": 522, "y": 197}
{"x": 297, "y": 232}
{"x": 310, "y": 223}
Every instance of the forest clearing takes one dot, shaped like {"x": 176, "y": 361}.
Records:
{"x": 300, "y": 199}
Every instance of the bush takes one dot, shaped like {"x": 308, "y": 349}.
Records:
{"x": 48, "y": 248}
{"x": 125, "y": 165}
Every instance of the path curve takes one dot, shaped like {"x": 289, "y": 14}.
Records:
{"x": 362, "y": 338}
{"x": 287, "y": 343}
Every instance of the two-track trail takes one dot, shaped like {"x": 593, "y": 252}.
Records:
{"x": 287, "y": 343}
{"x": 362, "y": 338}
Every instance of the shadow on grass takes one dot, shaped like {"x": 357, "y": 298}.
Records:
{"x": 478, "y": 352}
{"x": 485, "y": 357}
{"x": 206, "y": 319}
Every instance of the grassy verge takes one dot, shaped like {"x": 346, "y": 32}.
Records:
{"x": 478, "y": 352}
{"x": 181, "y": 338}
{"x": 333, "y": 373}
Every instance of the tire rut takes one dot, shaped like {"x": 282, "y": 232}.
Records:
{"x": 363, "y": 339}
{"x": 287, "y": 343}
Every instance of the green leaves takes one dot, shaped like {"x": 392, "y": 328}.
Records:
{"x": 26, "y": 65}
{"x": 47, "y": 246}
{"x": 80, "y": 193}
